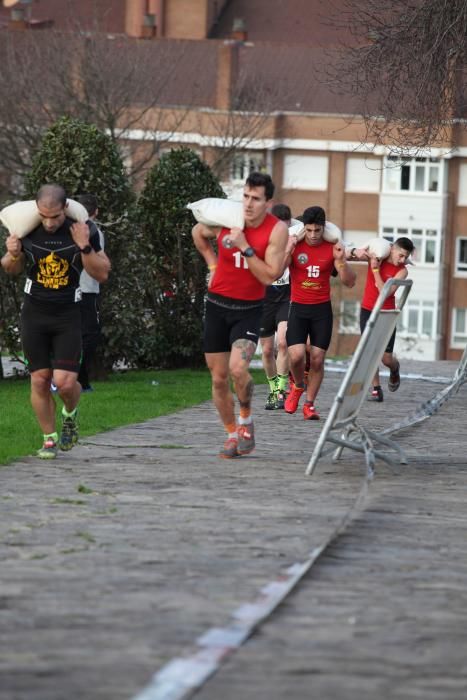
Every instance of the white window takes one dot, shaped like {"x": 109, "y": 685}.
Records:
{"x": 427, "y": 242}
{"x": 418, "y": 319}
{"x": 306, "y": 172}
{"x": 414, "y": 175}
{"x": 245, "y": 163}
{"x": 459, "y": 328}
{"x": 461, "y": 256}
{"x": 362, "y": 175}
{"x": 349, "y": 319}
{"x": 462, "y": 194}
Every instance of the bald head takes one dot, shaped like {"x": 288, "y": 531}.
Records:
{"x": 51, "y": 204}
{"x": 51, "y": 196}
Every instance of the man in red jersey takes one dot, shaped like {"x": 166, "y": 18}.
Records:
{"x": 394, "y": 266}
{"x": 311, "y": 264}
{"x": 246, "y": 262}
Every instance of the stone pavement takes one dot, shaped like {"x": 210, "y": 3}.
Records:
{"x": 117, "y": 556}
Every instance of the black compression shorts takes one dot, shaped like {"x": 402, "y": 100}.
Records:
{"x": 310, "y": 320}
{"x": 223, "y": 326}
{"x": 364, "y": 316}
{"x": 273, "y": 314}
{"x": 51, "y": 337}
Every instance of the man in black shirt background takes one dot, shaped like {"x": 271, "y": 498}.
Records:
{"x": 54, "y": 254}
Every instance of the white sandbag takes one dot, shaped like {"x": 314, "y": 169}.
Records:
{"x": 21, "y": 218}
{"x": 214, "y": 211}
{"x": 379, "y": 247}
{"x": 332, "y": 233}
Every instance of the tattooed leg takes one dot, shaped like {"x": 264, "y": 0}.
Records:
{"x": 240, "y": 358}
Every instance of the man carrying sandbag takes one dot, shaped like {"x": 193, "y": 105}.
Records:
{"x": 380, "y": 270}
{"x": 247, "y": 261}
{"x": 54, "y": 253}
{"x": 312, "y": 261}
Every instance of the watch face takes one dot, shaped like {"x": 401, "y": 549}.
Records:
{"x": 87, "y": 249}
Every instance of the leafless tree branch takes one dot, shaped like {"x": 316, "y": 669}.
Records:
{"x": 405, "y": 64}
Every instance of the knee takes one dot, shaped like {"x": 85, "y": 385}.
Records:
{"x": 220, "y": 382}
{"x": 316, "y": 363}
{"x": 66, "y": 384}
{"x": 40, "y": 383}
{"x": 282, "y": 346}
{"x": 268, "y": 352}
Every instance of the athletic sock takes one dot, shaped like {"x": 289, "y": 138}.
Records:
{"x": 272, "y": 381}
{"x": 51, "y": 436}
{"x": 245, "y": 413}
{"x": 71, "y": 414}
{"x": 282, "y": 381}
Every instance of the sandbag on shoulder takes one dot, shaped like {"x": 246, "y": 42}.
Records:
{"x": 379, "y": 247}
{"x": 215, "y": 211}
{"x": 21, "y": 218}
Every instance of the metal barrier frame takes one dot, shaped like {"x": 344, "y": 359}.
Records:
{"x": 428, "y": 408}
{"x": 354, "y": 436}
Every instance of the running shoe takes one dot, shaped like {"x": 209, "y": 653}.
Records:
{"x": 280, "y": 399}
{"x": 394, "y": 379}
{"x": 270, "y": 404}
{"x": 246, "y": 438}
{"x": 69, "y": 436}
{"x": 309, "y": 412}
{"x": 293, "y": 399}
{"x": 230, "y": 449}
{"x": 376, "y": 394}
{"x": 48, "y": 449}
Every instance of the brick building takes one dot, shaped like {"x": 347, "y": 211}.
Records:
{"x": 246, "y": 80}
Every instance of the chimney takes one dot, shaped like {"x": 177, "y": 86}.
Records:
{"x": 227, "y": 73}
{"x": 239, "y": 32}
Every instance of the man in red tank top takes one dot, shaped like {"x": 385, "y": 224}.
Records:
{"x": 246, "y": 262}
{"x": 394, "y": 266}
{"x": 311, "y": 264}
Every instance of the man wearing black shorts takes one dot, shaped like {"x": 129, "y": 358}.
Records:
{"x": 379, "y": 271}
{"x": 274, "y": 327}
{"x": 54, "y": 254}
{"x": 311, "y": 264}
{"x": 246, "y": 262}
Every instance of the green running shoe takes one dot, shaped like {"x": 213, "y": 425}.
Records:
{"x": 270, "y": 404}
{"x": 48, "y": 450}
{"x": 69, "y": 436}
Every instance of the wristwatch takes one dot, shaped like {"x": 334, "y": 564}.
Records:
{"x": 248, "y": 252}
{"x": 86, "y": 250}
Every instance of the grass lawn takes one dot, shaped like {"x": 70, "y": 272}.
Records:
{"x": 126, "y": 397}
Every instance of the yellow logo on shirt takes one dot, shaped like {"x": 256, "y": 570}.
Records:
{"x": 53, "y": 272}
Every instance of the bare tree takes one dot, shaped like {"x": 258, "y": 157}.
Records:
{"x": 405, "y": 65}
{"x": 116, "y": 83}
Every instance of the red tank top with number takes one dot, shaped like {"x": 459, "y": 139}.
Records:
{"x": 310, "y": 272}
{"x": 232, "y": 277}
{"x": 371, "y": 293}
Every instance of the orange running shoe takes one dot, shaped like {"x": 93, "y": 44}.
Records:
{"x": 230, "y": 449}
{"x": 293, "y": 399}
{"x": 246, "y": 438}
{"x": 309, "y": 412}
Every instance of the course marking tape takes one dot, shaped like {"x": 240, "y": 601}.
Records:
{"x": 181, "y": 677}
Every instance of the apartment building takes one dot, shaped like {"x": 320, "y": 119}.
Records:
{"x": 245, "y": 83}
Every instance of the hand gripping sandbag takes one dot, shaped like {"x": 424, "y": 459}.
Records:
{"x": 379, "y": 247}
{"x": 332, "y": 233}
{"x": 21, "y": 218}
{"x": 214, "y": 211}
